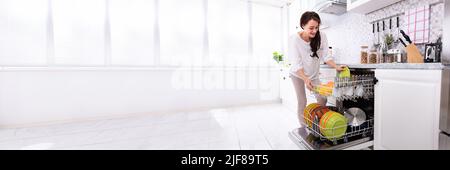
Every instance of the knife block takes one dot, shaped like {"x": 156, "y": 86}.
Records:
{"x": 413, "y": 54}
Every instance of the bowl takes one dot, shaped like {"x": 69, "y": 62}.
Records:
{"x": 333, "y": 125}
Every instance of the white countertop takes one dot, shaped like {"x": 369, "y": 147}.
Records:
{"x": 427, "y": 66}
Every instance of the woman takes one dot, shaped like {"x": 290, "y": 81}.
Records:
{"x": 307, "y": 49}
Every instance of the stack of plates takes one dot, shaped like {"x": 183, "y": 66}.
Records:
{"x": 323, "y": 121}
{"x": 333, "y": 125}
{"x": 307, "y": 113}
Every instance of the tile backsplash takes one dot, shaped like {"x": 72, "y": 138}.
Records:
{"x": 353, "y": 30}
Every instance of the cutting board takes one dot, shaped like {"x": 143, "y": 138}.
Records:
{"x": 413, "y": 54}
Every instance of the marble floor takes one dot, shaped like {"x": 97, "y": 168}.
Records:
{"x": 257, "y": 127}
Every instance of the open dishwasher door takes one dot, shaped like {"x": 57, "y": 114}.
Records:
{"x": 354, "y": 98}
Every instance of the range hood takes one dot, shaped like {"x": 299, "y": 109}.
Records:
{"x": 336, "y": 7}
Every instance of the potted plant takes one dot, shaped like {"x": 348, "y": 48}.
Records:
{"x": 389, "y": 40}
{"x": 279, "y": 58}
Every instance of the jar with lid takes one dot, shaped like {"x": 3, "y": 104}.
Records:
{"x": 391, "y": 55}
{"x": 373, "y": 57}
{"x": 364, "y": 54}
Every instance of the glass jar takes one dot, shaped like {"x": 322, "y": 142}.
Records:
{"x": 391, "y": 55}
{"x": 373, "y": 57}
{"x": 389, "y": 58}
{"x": 364, "y": 54}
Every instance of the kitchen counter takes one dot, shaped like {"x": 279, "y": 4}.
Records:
{"x": 426, "y": 66}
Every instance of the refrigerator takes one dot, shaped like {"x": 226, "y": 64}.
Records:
{"x": 444, "y": 119}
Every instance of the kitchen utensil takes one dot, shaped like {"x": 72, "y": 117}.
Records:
{"x": 397, "y": 28}
{"x": 430, "y": 53}
{"x": 359, "y": 90}
{"x": 433, "y": 51}
{"x": 390, "y": 25}
{"x": 412, "y": 51}
{"x": 348, "y": 91}
{"x": 378, "y": 33}
{"x": 407, "y": 38}
{"x": 355, "y": 116}
{"x": 404, "y": 44}
{"x": 413, "y": 54}
{"x": 375, "y": 38}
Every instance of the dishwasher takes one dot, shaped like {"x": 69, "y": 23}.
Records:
{"x": 351, "y": 95}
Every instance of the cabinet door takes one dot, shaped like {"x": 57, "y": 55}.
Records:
{"x": 367, "y": 6}
{"x": 287, "y": 91}
{"x": 407, "y": 109}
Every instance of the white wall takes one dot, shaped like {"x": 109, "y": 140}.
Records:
{"x": 46, "y": 95}
{"x": 346, "y": 34}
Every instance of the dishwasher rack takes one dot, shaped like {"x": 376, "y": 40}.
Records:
{"x": 351, "y": 88}
{"x": 364, "y": 130}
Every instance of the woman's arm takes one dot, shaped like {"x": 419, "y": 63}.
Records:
{"x": 332, "y": 64}
{"x": 329, "y": 60}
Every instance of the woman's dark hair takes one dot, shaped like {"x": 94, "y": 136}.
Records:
{"x": 315, "y": 42}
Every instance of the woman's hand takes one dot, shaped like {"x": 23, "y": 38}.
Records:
{"x": 308, "y": 84}
{"x": 340, "y": 68}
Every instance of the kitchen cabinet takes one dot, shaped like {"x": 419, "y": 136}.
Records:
{"x": 367, "y": 6}
{"x": 407, "y": 106}
{"x": 287, "y": 91}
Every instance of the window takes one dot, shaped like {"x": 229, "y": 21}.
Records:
{"x": 266, "y": 33}
{"x": 189, "y": 32}
{"x": 23, "y": 32}
{"x": 132, "y": 32}
{"x": 182, "y": 32}
{"x": 228, "y": 28}
{"x": 79, "y": 32}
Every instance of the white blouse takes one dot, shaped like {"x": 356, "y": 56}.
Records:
{"x": 299, "y": 56}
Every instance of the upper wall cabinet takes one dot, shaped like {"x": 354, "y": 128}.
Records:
{"x": 367, "y": 6}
